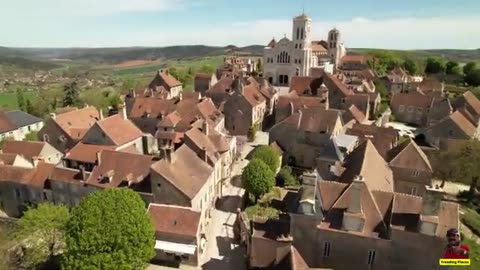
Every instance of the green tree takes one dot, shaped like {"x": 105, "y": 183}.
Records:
{"x": 257, "y": 178}
{"x": 410, "y": 66}
{"x": 29, "y": 107}
{"x": 459, "y": 164}
{"x": 173, "y": 71}
{"x": 452, "y": 67}
{"x": 31, "y": 136}
{"x": 268, "y": 155}
{"x": 71, "y": 95}
{"x": 129, "y": 83}
{"x": 20, "y": 99}
{"x": 109, "y": 229}
{"x": 42, "y": 229}
{"x": 381, "y": 88}
{"x": 469, "y": 67}
{"x": 207, "y": 69}
{"x": 473, "y": 77}
{"x": 252, "y": 133}
{"x": 435, "y": 65}
{"x": 285, "y": 177}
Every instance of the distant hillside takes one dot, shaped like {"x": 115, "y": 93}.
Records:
{"x": 118, "y": 55}
{"x": 24, "y": 63}
{"x": 462, "y": 56}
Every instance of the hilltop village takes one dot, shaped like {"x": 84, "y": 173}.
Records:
{"x": 299, "y": 162}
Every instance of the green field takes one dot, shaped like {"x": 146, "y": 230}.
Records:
{"x": 8, "y": 100}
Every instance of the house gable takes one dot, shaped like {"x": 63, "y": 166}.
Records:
{"x": 95, "y": 135}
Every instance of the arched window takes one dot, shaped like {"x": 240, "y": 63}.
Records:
{"x": 278, "y": 58}
{"x": 288, "y": 59}
{"x": 298, "y": 71}
{"x": 302, "y": 32}
{"x": 296, "y": 46}
{"x": 300, "y": 46}
{"x": 298, "y": 32}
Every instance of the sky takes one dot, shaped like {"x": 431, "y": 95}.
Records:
{"x": 406, "y": 24}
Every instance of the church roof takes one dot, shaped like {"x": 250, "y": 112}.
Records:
{"x": 272, "y": 43}
{"x": 302, "y": 17}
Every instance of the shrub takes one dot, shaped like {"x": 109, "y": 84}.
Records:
{"x": 268, "y": 155}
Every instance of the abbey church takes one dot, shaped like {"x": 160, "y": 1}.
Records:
{"x": 287, "y": 58}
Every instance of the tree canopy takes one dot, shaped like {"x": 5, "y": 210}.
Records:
{"x": 20, "y": 99}
{"x": 257, "y": 178}
{"x": 435, "y": 65}
{"x": 43, "y": 230}
{"x": 71, "y": 96}
{"x": 410, "y": 66}
{"x": 109, "y": 229}
{"x": 473, "y": 77}
{"x": 453, "y": 67}
{"x": 285, "y": 177}
{"x": 268, "y": 155}
{"x": 459, "y": 164}
{"x": 469, "y": 67}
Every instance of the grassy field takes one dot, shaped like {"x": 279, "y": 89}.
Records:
{"x": 8, "y": 100}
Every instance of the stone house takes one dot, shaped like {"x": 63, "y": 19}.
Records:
{"x": 177, "y": 234}
{"x": 411, "y": 169}
{"x": 469, "y": 105}
{"x": 203, "y": 82}
{"x": 17, "y": 124}
{"x": 163, "y": 79}
{"x": 65, "y": 130}
{"x": 307, "y": 138}
{"x": 220, "y": 91}
{"x": 244, "y": 108}
{"x": 184, "y": 179}
{"x": 373, "y": 229}
{"x": 451, "y": 130}
{"x": 268, "y": 91}
{"x": 382, "y": 138}
{"x": 354, "y": 62}
{"x": 33, "y": 151}
{"x": 439, "y": 109}
{"x": 15, "y": 160}
{"x": 220, "y": 150}
{"x": 411, "y": 108}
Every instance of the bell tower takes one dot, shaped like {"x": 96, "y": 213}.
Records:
{"x": 302, "y": 43}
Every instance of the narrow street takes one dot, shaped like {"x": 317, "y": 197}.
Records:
{"x": 222, "y": 252}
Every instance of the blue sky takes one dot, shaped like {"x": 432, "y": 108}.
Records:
{"x": 406, "y": 24}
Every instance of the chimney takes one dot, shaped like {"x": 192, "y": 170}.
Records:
{"x": 203, "y": 154}
{"x": 99, "y": 159}
{"x": 353, "y": 217}
{"x": 83, "y": 173}
{"x": 300, "y": 116}
{"x": 122, "y": 111}
{"x": 205, "y": 127}
{"x": 432, "y": 200}
{"x": 132, "y": 93}
{"x": 100, "y": 113}
{"x": 53, "y": 115}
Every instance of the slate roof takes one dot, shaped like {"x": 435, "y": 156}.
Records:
{"x": 5, "y": 124}
{"x": 21, "y": 119}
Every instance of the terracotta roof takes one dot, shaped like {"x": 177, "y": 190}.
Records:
{"x": 77, "y": 122}
{"x": 361, "y": 102}
{"x": 374, "y": 220}
{"x": 222, "y": 86}
{"x": 284, "y": 102}
{"x": 16, "y": 174}
{"x": 119, "y": 130}
{"x": 191, "y": 95}
{"x": 314, "y": 120}
{"x": 316, "y": 72}
{"x": 318, "y": 46}
{"x": 5, "y": 124}
{"x": 164, "y": 77}
{"x": 188, "y": 173}
{"x": 174, "y": 220}
{"x": 355, "y": 58}
{"x": 353, "y": 113}
{"x": 301, "y": 84}
{"x": 86, "y": 152}
{"x": 431, "y": 85}
{"x": 27, "y": 149}
{"x": 414, "y": 99}
{"x": 334, "y": 84}
{"x": 41, "y": 174}
{"x": 329, "y": 192}
{"x": 214, "y": 141}
{"x": 170, "y": 121}
{"x": 151, "y": 107}
{"x": 462, "y": 122}
{"x": 127, "y": 169}
{"x": 409, "y": 155}
{"x": 367, "y": 162}
{"x": 67, "y": 175}
{"x": 382, "y": 138}
{"x": 272, "y": 43}
{"x": 252, "y": 94}
{"x": 7, "y": 159}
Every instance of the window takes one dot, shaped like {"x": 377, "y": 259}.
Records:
{"x": 298, "y": 33}
{"x": 413, "y": 191}
{"x": 415, "y": 173}
{"x": 326, "y": 249}
{"x": 401, "y": 108}
{"x": 410, "y": 109}
{"x": 46, "y": 138}
{"x": 300, "y": 46}
{"x": 296, "y": 46}
{"x": 299, "y": 61}
{"x": 302, "y": 33}
{"x": 371, "y": 257}
{"x": 29, "y": 128}
{"x": 450, "y": 132}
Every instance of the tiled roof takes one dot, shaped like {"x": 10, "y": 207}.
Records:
{"x": 21, "y": 118}
{"x": 367, "y": 162}
{"x": 301, "y": 84}
{"x": 67, "y": 175}
{"x": 414, "y": 99}
{"x": 77, "y": 122}
{"x": 86, "y": 152}
{"x": 272, "y": 43}
{"x": 7, "y": 159}
{"x": 461, "y": 122}
{"x": 153, "y": 107}
{"x": 222, "y": 86}
{"x": 361, "y": 102}
{"x": 119, "y": 130}
{"x": 131, "y": 168}
{"x": 5, "y": 124}
{"x": 314, "y": 120}
{"x": 175, "y": 220}
{"x": 16, "y": 174}
{"x": 187, "y": 172}
{"x": 170, "y": 121}
{"x": 382, "y": 138}
{"x": 252, "y": 94}
{"x": 329, "y": 192}
{"x": 41, "y": 174}
{"x": 302, "y": 102}
{"x": 355, "y": 58}
{"x": 409, "y": 155}
{"x": 164, "y": 77}
{"x": 26, "y": 149}
{"x": 353, "y": 113}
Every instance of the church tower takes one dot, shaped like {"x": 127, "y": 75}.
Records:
{"x": 302, "y": 44}
{"x": 336, "y": 50}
